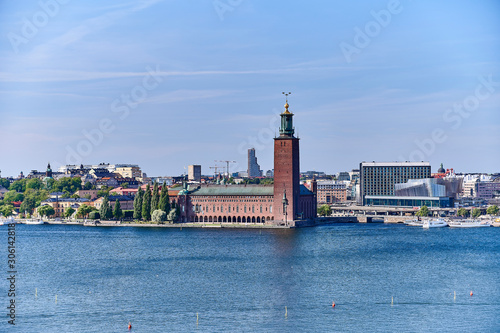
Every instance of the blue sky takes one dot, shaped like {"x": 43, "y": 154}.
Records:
{"x": 165, "y": 84}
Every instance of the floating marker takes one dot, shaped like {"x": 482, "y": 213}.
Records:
{"x": 56, "y": 298}
{"x": 454, "y": 295}
{"x": 196, "y": 318}
{"x": 471, "y": 293}
{"x": 392, "y": 300}
{"x": 333, "y": 304}
{"x": 36, "y": 292}
{"x": 129, "y": 325}
{"x": 286, "y": 312}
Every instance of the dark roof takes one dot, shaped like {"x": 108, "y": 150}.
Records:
{"x": 304, "y": 190}
{"x": 234, "y": 190}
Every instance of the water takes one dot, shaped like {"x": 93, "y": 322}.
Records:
{"x": 242, "y": 280}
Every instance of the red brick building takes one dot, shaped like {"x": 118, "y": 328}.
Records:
{"x": 285, "y": 202}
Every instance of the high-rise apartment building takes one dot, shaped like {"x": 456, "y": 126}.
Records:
{"x": 253, "y": 166}
{"x": 194, "y": 173}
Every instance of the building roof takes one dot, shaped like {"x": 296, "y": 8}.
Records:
{"x": 395, "y": 164}
{"x": 304, "y": 190}
{"x": 234, "y": 190}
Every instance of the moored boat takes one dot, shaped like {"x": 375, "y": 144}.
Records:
{"x": 34, "y": 221}
{"x": 437, "y": 223}
{"x": 414, "y": 223}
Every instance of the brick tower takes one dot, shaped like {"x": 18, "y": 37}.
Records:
{"x": 286, "y": 171}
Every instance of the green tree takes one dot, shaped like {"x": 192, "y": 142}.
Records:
{"x": 173, "y": 214}
{"x": 138, "y": 204}
{"x": 46, "y": 211}
{"x": 325, "y": 210}
{"x": 18, "y": 185}
{"x": 6, "y": 210}
{"x": 124, "y": 185}
{"x": 146, "y": 204}
{"x": 105, "y": 210}
{"x": 75, "y": 196}
{"x": 423, "y": 211}
{"x": 84, "y": 210}
{"x": 94, "y": 215}
{"x": 155, "y": 197}
{"x": 463, "y": 212}
{"x": 158, "y": 216}
{"x": 69, "y": 212}
{"x": 32, "y": 199}
{"x": 35, "y": 184}
{"x": 12, "y": 196}
{"x": 67, "y": 184}
{"x": 164, "y": 199}
{"x": 476, "y": 212}
{"x": 117, "y": 211}
{"x": 5, "y": 183}
{"x": 87, "y": 186}
{"x": 104, "y": 191}
{"x": 492, "y": 210}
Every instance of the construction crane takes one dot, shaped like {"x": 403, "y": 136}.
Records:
{"x": 227, "y": 168}
{"x": 215, "y": 171}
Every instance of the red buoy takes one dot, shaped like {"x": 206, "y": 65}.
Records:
{"x": 129, "y": 326}
{"x": 471, "y": 293}
{"x": 333, "y": 304}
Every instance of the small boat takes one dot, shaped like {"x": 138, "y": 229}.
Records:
{"x": 34, "y": 221}
{"x": 469, "y": 224}
{"x": 437, "y": 223}
{"x": 414, "y": 223}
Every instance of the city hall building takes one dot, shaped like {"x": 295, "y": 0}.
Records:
{"x": 285, "y": 202}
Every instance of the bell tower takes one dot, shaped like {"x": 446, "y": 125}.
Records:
{"x": 286, "y": 170}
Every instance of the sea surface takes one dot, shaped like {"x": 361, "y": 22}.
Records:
{"x": 382, "y": 278}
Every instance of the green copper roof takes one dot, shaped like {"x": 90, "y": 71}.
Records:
{"x": 235, "y": 190}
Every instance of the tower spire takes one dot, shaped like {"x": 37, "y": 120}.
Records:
{"x": 286, "y": 103}
{"x": 286, "y": 128}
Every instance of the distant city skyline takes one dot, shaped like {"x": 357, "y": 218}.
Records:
{"x": 167, "y": 84}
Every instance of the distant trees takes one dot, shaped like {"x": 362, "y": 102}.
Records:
{"x": 67, "y": 184}
{"x": 146, "y": 204}
{"x": 117, "y": 211}
{"x": 492, "y": 210}
{"x": 46, "y": 211}
{"x": 463, "y": 212}
{"x": 173, "y": 214}
{"x": 325, "y": 210}
{"x": 164, "y": 199}
{"x": 476, "y": 212}
{"x": 138, "y": 204}
{"x": 155, "y": 197}
{"x": 423, "y": 211}
{"x": 87, "y": 186}
{"x": 6, "y": 210}
{"x": 85, "y": 210}
{"x": 159, "y": 216}
{"x": 12, "y": 196}
{"x": 5, "y": 183}
{"x": 105, "y": 210}
{"x": 69, "y": 212}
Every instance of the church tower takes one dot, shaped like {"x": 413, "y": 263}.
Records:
{"x": 286, "y": 170}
